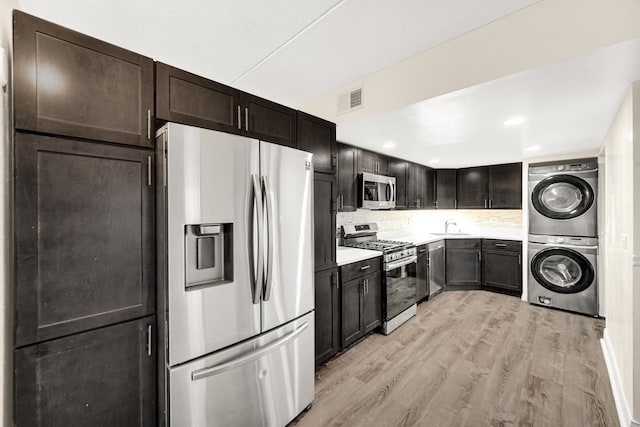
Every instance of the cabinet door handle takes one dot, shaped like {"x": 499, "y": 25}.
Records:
{"x": 436, "y": 203}
{"x": 455, "y": 204}
{"x": 148, "y": 124}
{"x": 519, "y": 259}
{"x": 239, "y": 119}
{"x": 334, "y": 279}
{"x": 422, "y": 250}
{"x": 246, "y": 119}
{"x": 364, "y": 267}
{"x": 149, "y": 340}
{"x": 149, "y": 171}
{"x": 479, "y": 256}
{"x": 486, "y": 203}
{"x": 490, "y": 203}
{"x": 366, "y": 286}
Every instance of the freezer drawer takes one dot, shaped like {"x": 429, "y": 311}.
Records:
{"x": 266, "y": 381}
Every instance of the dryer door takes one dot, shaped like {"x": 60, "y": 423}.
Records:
{"x": 562, "y": 196}
{"x": 562, "y": 270}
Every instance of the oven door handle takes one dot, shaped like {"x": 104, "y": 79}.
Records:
{"x": 393, "y": 265}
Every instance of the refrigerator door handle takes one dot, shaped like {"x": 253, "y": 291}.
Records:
{"x": 270, "y": 221}
{"x": 248, "y": 357}
{"x": 257, "y": 274}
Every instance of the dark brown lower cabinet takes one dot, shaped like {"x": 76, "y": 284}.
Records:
{"x": 502, "y": 266}
{"x": 372, "y": 302}
{"x": 361, "y": 304}
{"x": 463, "y": 264}
{"x": 327, "y": 299}
{"x": 105, "y": 377}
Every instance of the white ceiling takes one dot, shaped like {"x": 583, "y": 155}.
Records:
{"x": 568, "y": 106}
{"x": 289, "y": 51}
{"x": 292, "y": 51}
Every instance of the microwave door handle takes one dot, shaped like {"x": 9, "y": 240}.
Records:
{"x": 255, "y": 237}
{"x": 393, "y": 191}
{"x": 270, "y": 233}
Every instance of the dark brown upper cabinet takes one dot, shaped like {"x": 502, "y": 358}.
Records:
{"x": 371, "y": 162}
{"x": 445, "y": 188}
{"x": 398, "y": 170}
{"x": 325, "y": 195}
{"x": 186, "y": 98}
{"x": 84, "y": 227}
{"x": 267, "y": 121}
{"x": 318, "y": 136}
{"x": 104, "y": 377}
{"x": 429, "y": 188}
{"x": 505, "y": 186}
{"x": 347, "y": 178}
{"x": 420, "y": 187}
{"x": 70, "y": 84}
{"x": 472, "y": 188}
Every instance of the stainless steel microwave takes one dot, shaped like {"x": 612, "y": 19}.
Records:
{"x": 376, "y": 191}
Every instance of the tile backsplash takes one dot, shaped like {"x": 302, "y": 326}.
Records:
{"x": 433, "y": 220}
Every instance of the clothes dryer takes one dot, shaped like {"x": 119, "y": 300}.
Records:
{"x": 562, "y": 198}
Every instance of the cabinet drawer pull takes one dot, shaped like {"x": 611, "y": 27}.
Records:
{"x": 501, "y": 245}
{"x": 422, "y": 250}
{"x": 364, "y": 267}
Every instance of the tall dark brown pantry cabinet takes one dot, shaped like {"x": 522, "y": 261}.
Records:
{"x": 84, "y": 330}
{"x": 327, "y": 298}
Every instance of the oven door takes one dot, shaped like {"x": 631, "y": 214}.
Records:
{"x": 400, "y": 286}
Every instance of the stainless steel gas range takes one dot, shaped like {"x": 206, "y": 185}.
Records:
{"x": 399, "y": 264}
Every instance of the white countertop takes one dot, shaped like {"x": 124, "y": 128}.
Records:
{"x": 422, "y": 238}
{"x": 348, "y": 255}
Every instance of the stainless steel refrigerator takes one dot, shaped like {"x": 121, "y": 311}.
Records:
{"x": 238, "y": 298}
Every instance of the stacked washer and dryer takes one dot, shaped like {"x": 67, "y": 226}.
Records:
{"x": 563, "y": 235}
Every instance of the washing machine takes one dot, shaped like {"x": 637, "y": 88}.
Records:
{"x": 562, "y": 198}
{"x": 563, "y": 273}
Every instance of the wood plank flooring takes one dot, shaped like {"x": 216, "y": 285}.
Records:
{"x": 471, "y": 358}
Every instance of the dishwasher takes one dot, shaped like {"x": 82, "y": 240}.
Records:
{"x": 436, "y": 268}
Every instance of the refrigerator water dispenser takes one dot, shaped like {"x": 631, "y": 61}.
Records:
{"x": 208, "y": 255}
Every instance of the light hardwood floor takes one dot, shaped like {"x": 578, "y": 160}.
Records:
{"x": 471, "y": 358}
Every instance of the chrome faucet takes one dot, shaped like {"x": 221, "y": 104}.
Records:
{"x": 447, "y": 223}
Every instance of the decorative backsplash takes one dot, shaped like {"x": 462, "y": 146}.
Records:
{"x": 433, "y": 220}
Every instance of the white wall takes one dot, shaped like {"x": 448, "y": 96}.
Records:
{"x": 6, "y": 247}
{"x": 621, "y": 237}
{"x": 542, "y": 33}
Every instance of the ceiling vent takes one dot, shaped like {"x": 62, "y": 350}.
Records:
{"x": 350, "y": 101}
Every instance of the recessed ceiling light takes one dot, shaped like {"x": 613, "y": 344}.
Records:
{"x": 434, "y": 161}
{"x": 389, "y": 144}
{"x": 515, "y": 121}
{"x": 533, "y": 148}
